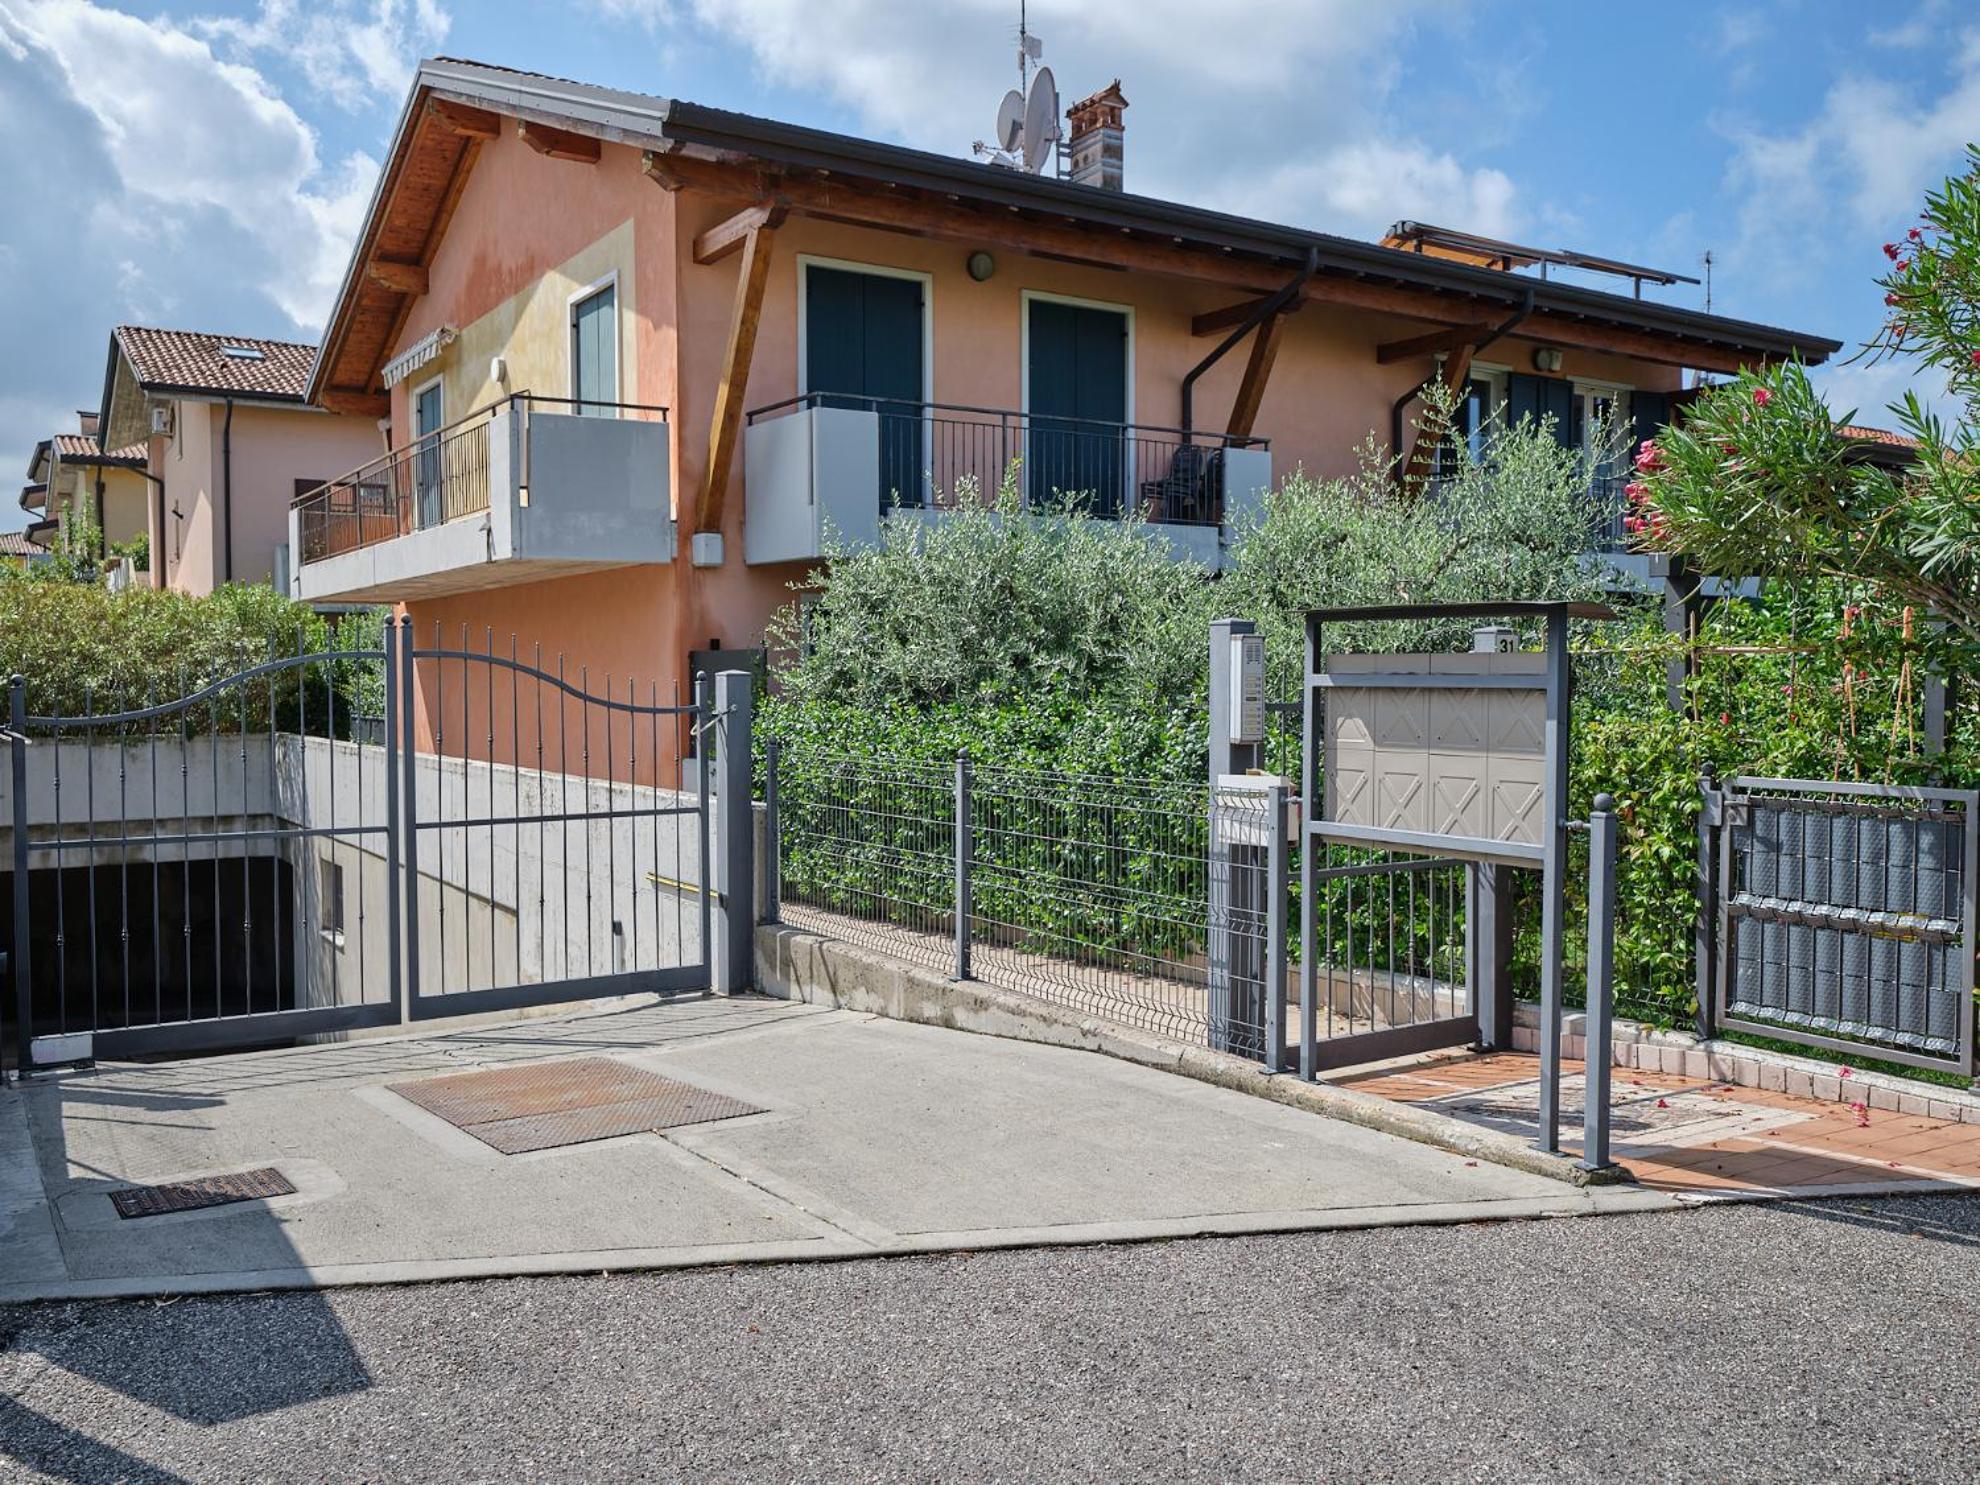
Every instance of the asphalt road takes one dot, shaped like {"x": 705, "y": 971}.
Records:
{"x": 1804, "y": 1342}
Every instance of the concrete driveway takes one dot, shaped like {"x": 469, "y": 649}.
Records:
{"x": 873, "y": 1136}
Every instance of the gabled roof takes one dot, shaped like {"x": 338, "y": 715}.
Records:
{"x": 454, "y": 105}
{"x": 199, "y": 363}
{"x": 82, "y": 448}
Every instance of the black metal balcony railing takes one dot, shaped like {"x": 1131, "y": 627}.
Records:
{"x": 439, "y": 477}
{"x": 928, "y": 450}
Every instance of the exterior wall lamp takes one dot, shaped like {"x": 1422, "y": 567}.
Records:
{"x": 1548, "y": 359}
{"x": 981, "y": 265}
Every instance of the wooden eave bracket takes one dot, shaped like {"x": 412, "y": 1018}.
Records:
{"x": 400, "y": 278}
{"x": 464, "y": 119}
{"x": 725, "y": 423}
{"x": 1437, "y": 342}
{"x": 727, "y": 237}
{"x": 560, "y": 144}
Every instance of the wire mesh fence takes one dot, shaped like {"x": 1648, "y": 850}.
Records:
{"x": 866, "y": 850}
{"x": 1092, "y": 893}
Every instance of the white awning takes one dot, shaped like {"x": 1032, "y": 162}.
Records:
{"x": 417, "y": 355}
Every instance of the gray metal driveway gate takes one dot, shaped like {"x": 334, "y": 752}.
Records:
{"x": 261, "y": 858}
{"x": 1841, "y": 916}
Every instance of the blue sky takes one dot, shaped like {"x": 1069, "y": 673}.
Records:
{"x": 204, "y": 166}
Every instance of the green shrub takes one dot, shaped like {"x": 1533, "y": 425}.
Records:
{"x": 83, "y": 648}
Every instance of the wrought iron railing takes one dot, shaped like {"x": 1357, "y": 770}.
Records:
{"x": 439, "y": 477}
{"x": 933, "y": 452}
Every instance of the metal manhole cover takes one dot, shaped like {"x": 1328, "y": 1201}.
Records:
{"x": 209, "y": 1191}
{"x": 543, "y": 1105}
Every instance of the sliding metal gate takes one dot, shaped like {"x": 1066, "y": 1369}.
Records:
{"x": 265, "y": 857}
{"x": 555, "y": 831}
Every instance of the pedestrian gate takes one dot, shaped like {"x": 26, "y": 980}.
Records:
{"x": 328, "y": 841}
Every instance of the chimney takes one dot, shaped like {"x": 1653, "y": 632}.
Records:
{"x": 1095, "y": 142}
{"x": 86, "y": 422}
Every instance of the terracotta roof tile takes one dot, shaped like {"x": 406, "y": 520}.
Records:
{"x": 84, "y": 446}
{"x": 16, "y": 544}
{"x": 196, "y": 361}
{"x": 1860, "y": 434}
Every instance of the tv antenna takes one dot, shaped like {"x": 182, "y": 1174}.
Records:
{"x": 1028, "y": 116}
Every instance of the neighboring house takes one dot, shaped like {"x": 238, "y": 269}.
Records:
{"x": 227, "y": 439}
{"x": 838, "y": 328}
{"x": 17, "y": 549}
{"x": 70, "y": 474}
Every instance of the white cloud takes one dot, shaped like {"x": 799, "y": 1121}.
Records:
{"x": 352, "y": 51}
{"x": 1364, "y": 187}
{"x": 1873, "y": 147}
{"x": 172, "y": 180}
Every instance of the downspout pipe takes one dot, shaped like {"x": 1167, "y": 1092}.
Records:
{"x": 157, "y": 554}
{"x": 227, "y": 493}
{"x": 1510, "y": 323}
{"x": 1265, "y": 310}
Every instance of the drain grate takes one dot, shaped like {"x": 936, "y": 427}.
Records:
{"x": 208, "y": 1191}
{"x": 545, "y": 1105}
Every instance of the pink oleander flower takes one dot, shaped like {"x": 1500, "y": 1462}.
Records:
{"x": 1892, "y": 300}
{"x": 1633, "y": 524}
{"x": 1891, "y": 251}
{"x": 1915, "y": 235}
{"x": 1761, "y": 396}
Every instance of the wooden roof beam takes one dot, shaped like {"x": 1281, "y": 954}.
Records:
{"x": 400, "y": 278}
{"x": 356, "y": 401}
{"x": 1214, "y": 321}
{"x": 728, "y": 236}
{"x": 560, "y": 144}
{"x": 464, "y": 119}
{"x": 658, "y": 167}
{"x": 1437, "y": 342}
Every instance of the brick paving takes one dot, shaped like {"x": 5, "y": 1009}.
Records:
{"x": 1684, "y": 1134}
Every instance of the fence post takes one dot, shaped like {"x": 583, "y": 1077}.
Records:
{"x": 773, "y": 843}
{"x": 1232, "y": 955}
{"x": 407, "y": 823}
{"x": 1598, "y": 1055}
{"x": 1276, "y": 798}
{"x": 965, "y": 842}
{"x": 1705, "y": 930}
{"x": 731, "y": 967}
{"x": 1489, "y": 935}
{"x": 17, "y": 778}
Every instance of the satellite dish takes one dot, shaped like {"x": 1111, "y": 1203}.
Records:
{"x": 1041, "y": 120}
{"x": 1010, "y": 120}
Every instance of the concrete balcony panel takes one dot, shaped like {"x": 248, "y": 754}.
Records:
{"x": 519, "y": 494}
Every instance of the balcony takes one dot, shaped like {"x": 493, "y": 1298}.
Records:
{"x": 824, "y": 470}
{"x": 528, "y": 489}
